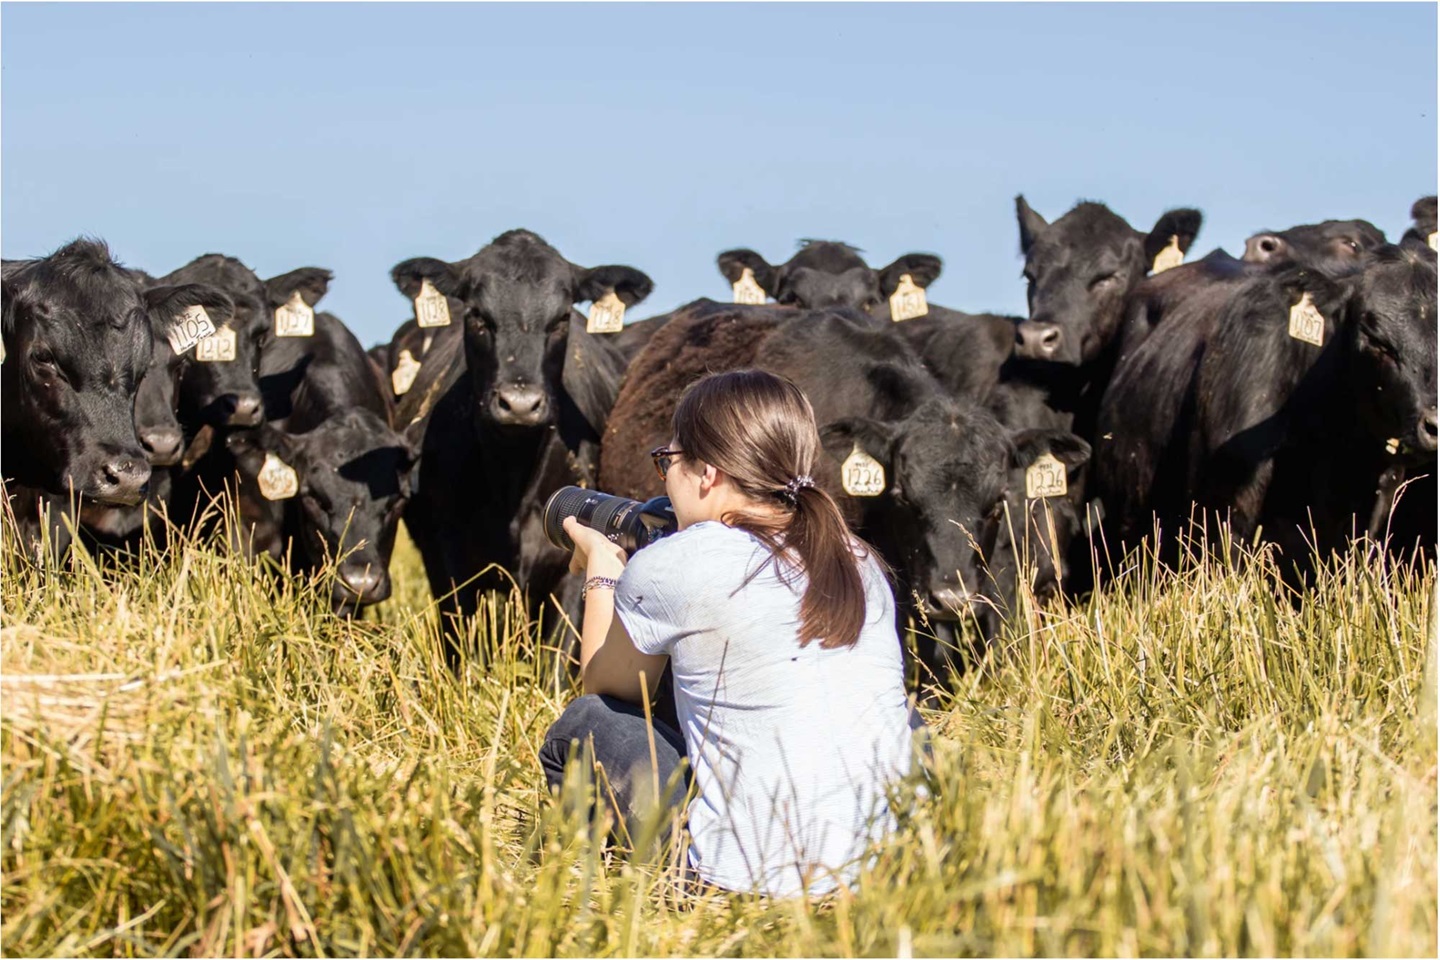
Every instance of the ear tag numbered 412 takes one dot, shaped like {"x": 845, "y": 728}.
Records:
{"x": 908, "y": 300}
{"x": 192, "y": 326}
{"x": 748, "y": 290}
{"x": 607, "y": 315}
{"x": 1045, "y": 478}
{"x": 431, "y": 307}
{"x": 861, "y": 475}
{"x": 219, "y": 347}
{"x": 295, "y": 318}
{"x": 278, "y": 480}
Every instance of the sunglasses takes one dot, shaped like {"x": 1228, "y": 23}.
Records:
{"x": 662, "y": 458}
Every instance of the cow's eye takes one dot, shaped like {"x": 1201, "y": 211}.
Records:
{"x": 1103, "y": 281}
{"x": 871, "y": 303}
{"x": 1354, "y": 247}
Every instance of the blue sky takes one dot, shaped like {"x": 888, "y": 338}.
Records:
{"x": 355, "y": 136}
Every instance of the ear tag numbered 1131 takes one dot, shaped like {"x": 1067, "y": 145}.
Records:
{"x": 1171, "y": 256}
{"x": 431, "y": 307}
{"x": 607, "y": 315}
{"x": 295, "y": 318}
{"x": 402, "y": 378}
{"x": 748, "y": 290}
{"x": 193, "y": 326}
{"x": 861, "y": 475}
{"x": 219, "y": 347}
{"x": 1045, "y": 478}
{"x": 278, "y": 480}
{"x": 908, "y": 300}
{"x": 1306, "y": 322}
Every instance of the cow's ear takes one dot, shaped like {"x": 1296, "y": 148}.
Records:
{"x": 923, "y": 268}
{"x": 1423, "y": 212}
{"x": 1031, "y": 224}
{"x": 874, "y": 437}
{"x": 1064, "y": 446}
{"x": 629, "y": 284}
{"x": 257, "y": 441}
{"x": 310, "y": 282}
{"x": 734, "y": 263}
{"x": 167, "y": 303}
{"x": 411, "y": 274}
{"x": 1182, "y": 224}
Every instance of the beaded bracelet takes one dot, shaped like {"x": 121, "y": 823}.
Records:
{"x": 607, "y": 583}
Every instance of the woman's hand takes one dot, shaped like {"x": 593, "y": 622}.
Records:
{"x": 595, "y": 555}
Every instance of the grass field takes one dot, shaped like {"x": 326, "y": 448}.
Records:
{"x": 199, "y": 761}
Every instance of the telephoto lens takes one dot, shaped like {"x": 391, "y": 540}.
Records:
{"x": 627, "y": 523}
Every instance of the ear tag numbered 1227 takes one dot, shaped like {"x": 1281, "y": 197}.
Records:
{"x": 607, "y": 315}
{"x": 748, "y": 290}
{"x": 402, "y": 378}
{"x": 219, "y": 347}
{"x": 1171, "y": 256}
{"x": 192, "y": 326}
{"x": 1045, "y": 478}
{"x": 908, "y": 300}
{"x": 431, "y": 307}
{"x": 1306, "y": 322}
{"x": 295, "y": 318}
{"x": 861, "y": 475}
{"x": 278, "y": 480}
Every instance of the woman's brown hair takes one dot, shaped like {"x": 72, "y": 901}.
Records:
{"x": 759, "y": 429}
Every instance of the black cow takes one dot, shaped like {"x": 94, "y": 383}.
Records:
{"x": 77, "y": 339}
{"x": 1422, "y": 231}
{"x": 506, "y": 413}
{"x": 1274, "y": 432}
{"x": 825, "y": 273}
{"x": 1332, "y": 247}
{"x": 948, "y": 465}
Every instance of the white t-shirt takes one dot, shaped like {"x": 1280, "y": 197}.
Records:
{"x": 791, "y": 747}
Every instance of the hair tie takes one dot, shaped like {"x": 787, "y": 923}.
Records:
{"x": 791, "y": 493}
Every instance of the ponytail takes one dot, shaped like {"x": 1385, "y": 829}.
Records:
{"x": 760, "y": 430}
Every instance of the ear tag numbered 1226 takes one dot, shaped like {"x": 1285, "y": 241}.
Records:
{"x": 278, "y": 480}
{"x": 431, "y": 307}
{"x": 748, "y": 290}
{"x": 1306, "y": 322}
{"x": 607, "y": 315}
{"x": 908, "y": 300}
{"x": 861, "y": 475}
{"x": 219, "y": 347}
{"x": 295, "y": 318}
{"x": 1045, "y": 478}
{"x": 192, "y": 326}
{"x": 1171, "y": 256}
{"x": 402, "y": 378}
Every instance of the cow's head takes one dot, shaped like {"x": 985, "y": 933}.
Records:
{"x": 77, "y": 343}
{"x": 157, "y": 401}
{"x": 353, "y": 485}
{"x": 1078, "y": 272}
{"x": 1039, "y": 530}
{"x": 829, "y": 274}
{"x": 1334, "y": 248}
{"x": 516, "y": 298}
{"x": 1390, "y": 321}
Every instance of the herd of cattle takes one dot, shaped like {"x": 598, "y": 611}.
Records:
{"x": 1291, "y": 392}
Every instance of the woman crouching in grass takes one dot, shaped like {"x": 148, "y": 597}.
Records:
{"x": 779, "y": 627}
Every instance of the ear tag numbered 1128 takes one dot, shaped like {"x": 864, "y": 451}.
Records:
{"x": 607, "y": 315}
{"x": 431, "y": 307}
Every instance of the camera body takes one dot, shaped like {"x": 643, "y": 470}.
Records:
{"x": 630, "y": 524}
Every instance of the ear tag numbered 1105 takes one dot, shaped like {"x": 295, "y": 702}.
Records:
{"x": 192, "y": 326}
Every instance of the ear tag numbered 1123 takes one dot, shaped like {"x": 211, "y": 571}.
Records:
{"x": 607, "y": 315}
{"x": 908, "y": 300}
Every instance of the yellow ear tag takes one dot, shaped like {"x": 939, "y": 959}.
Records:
{"x": 1045, "y": 478}
{"x": 908, "y": 300}
{"x": 402, "y": 378}
{"x": 607, "y": 315}
{"x": 219, "y": 347}
{"x": 192, "y": 326}
{"x": 278, "y": 480}
{"x": 431, "y": 307}
{"x": 862, "y": 475}
{"x": 1306, "y": 323}
{"x": 294, "y": 318}
{"x": 1392, "y": 446}
{"x": 747, "y": 289}
{"x": 1431, "y": 240}
{"x": 1171, "y": 256}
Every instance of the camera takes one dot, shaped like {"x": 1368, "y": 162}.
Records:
{"x": 627, "y": 523}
